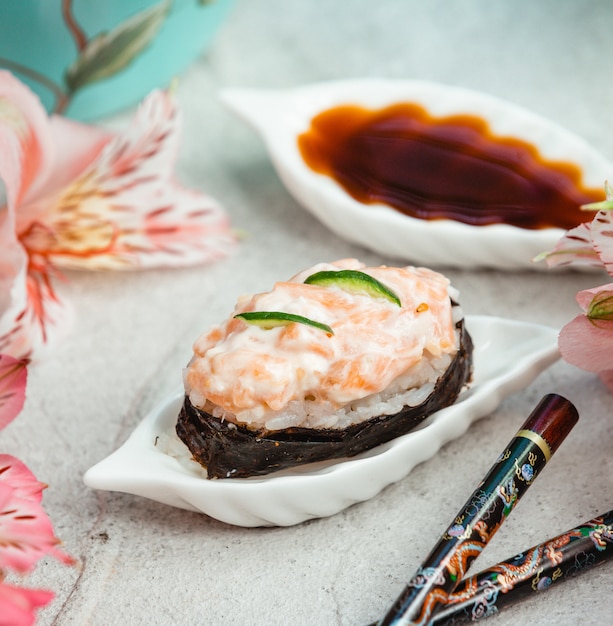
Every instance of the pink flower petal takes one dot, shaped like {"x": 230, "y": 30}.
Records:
{"x": 34, "y": 319}
{"x": 125, "y": 211}
{"x": 79, "y": 145}
{"x": 13, "y": 263}
{"x": 585, "y": 297}
{"x": 13, "y": 377}
{"x": 26, "y": 152}
{"x": 586, "y": 345}
{"x": 575, "y": 247}
{"x": 17, "y": 605}
{"x": 25, "y": 141}
{"x": 22, "y": 153}
{"x": 13, "y": 294}
{"x": 26, "y": 533}
{"x": 15, "y": 474}
{"x": 602, "y": 236}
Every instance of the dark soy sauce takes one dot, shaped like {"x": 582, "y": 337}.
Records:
{"x": 451, "y": 167}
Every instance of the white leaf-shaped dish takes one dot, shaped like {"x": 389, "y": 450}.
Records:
{"x": 507, "y": 356}
{"x": 280, "y": 116}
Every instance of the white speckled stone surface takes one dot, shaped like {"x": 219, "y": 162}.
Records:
{"x": 143, "y": 563}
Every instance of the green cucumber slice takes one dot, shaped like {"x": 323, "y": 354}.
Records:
{"x": 272, "y": 319}
{"x": 354, "y": 282}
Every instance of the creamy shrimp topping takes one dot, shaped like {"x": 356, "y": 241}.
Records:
{"x": 250, "y": 371}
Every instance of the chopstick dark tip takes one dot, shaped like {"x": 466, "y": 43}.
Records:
{"x": 552, "y": 419}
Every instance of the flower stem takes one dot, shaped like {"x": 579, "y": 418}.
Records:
{"x": 61, "y": 98}
{"x": 78, "y": 34}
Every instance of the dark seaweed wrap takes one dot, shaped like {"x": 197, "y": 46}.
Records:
{"x": 230, "y": 451}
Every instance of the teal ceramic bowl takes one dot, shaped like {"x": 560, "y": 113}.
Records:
{"x": 89, "y": 58}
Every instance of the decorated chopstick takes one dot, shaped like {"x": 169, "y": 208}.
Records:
{"x": 484, "y": 512}
{"x": 534, "y": 570}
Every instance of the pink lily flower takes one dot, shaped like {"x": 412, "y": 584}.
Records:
{"x": 13, "y": 379}
{"x": 26, "y": 533}
{"x": 80, "y": 197}
{"x": 587, "y": 340}
{"x": 590, "y": 243}
{"x": 17, "y": 605}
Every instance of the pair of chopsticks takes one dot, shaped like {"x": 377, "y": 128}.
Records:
{"x": 439, "y": 593}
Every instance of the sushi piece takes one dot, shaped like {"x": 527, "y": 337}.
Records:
{"x": 333, "y": 362}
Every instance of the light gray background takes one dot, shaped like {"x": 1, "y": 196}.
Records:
{"x": 143, "y": 563}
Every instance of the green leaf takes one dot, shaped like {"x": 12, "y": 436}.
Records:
{"x": 354, "y": 281}
{"x": 109, "y": 53}
{"x": 605, "y": 205}
{"x": 272, "y": 319}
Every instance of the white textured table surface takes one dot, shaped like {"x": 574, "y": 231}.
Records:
{"x": 146, "y": 563}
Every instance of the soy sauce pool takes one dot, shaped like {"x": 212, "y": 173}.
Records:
{"x": 443, "y": 168}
